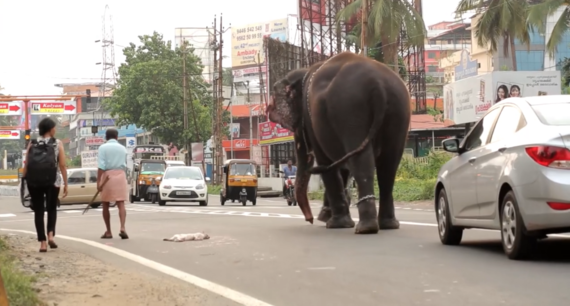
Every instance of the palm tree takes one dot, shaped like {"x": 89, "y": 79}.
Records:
{"x": 383, "y": 22}
{"x": 543, "y": 9}
{"x": 500, "y": 19}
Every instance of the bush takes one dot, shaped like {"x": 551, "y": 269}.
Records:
{"x": 214, "y": 189}
{"x": 18, "y": 285}
{"x": 415, "y": 180}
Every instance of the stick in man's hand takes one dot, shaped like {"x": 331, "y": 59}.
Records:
{"x": 95, "y": 196}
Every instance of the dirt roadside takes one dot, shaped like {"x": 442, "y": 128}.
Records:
{"x": 68, "y": 278}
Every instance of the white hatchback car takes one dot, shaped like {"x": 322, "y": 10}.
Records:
{"x": 183, "y": 184}
{"x": 512, "y": 173}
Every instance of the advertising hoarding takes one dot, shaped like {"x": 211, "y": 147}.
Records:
{"x": 272, "y": 133}
{"x": 9, "y": 134}
{"x": 314, "y": 11}
{"x": 469, "y": 99}
{"x": 54, "y": 108}
{"x": 11, "y": 108}
{"x": 247, "y": 41}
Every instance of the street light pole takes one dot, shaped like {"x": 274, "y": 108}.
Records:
{"x": 232, "y": 123}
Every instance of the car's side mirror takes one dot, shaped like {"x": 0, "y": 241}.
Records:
{"x": 451, "y": 145}
{"x": 207, "y": 179}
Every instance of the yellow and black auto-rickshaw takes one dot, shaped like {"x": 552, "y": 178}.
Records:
{"x": 239, "y": 181}
{"x": 145, "y": 180}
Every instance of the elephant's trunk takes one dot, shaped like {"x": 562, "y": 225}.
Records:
{"x": 301, "y": 189}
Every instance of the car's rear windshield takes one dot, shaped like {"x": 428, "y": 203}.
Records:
{"x": 553, "y": 114}
{"x": 183, "y": 173}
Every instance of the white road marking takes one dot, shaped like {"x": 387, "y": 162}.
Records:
{"x": 228, "y": 293}
{"x": 7, "y": 215}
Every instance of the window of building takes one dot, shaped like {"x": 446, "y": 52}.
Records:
{"x": 530, "y": 60}
{"x": 432, "y": 68}
{"x": 431, "y": 54}
{"x": 281, "y": 153}
{"x": 535, "y": 39}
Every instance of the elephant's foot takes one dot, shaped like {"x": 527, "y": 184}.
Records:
{"x": 369, "y": 226}
{"x": 340, "y": 222}
{"x": 325, "y": 214}
{"x": 389, "y": 224}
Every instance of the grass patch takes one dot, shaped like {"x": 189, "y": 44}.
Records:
{"x": 19, "y": 286}
{"x": 214, "y": 189}
{"x": 415, "y": 180}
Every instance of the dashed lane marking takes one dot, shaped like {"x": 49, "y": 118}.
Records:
{"x": 7, "y": 215}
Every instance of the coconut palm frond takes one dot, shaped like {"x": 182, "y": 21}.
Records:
{"x": 560, "y": 28}
{"x": 539, "y": 12}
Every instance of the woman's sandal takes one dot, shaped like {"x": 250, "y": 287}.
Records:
{"x": 43, "y": 250}
{"x": 52, "y": 244}
{"x": 106, "y": 236}
{"x": 123, "y": 235}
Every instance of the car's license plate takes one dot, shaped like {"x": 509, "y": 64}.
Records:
{"x": 183, "y": 193}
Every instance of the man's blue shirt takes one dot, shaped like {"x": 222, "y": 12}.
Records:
{"x": 112, "y": 156}
{"x": 287, "y": 172}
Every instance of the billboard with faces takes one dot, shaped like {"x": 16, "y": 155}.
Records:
{"x": 469, "y": 99}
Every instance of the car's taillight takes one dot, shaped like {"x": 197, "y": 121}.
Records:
{"x": 549, "y": 156}
{"x": 559, "y": 206}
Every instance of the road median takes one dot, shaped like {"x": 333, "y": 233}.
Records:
{"x": 66, "y": 277}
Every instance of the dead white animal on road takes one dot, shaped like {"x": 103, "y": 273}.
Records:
{"x": 188, "y": 237}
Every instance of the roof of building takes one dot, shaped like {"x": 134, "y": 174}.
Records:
{"x": 452, "y": 32}
{"x": 423, "y": 122}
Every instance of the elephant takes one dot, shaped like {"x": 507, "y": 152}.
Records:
{"x": 350, "y": 115}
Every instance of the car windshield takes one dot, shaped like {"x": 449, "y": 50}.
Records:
{"x": 553, "y": 114}
{"x": 183, "y": 173}
{"x": 152, "y": 168}
{"x": 242, "y": 169}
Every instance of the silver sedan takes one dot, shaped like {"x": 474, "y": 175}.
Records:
{"x": 511, "y": 173}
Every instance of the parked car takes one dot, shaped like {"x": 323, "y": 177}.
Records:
{"x": 82, "y": 186}
{"x": 511, "y": 173}
{"x": 183, "y": 184}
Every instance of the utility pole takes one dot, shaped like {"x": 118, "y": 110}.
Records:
{"x": 219, "y": 136}
{"x": 187, "y": 146}
{"x": 215, "y": 173}
{"x": 261, "y": 89}
{"x": 364, "y": 32}
{"x": 250, "y": 124}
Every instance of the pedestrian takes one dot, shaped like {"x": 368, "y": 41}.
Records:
{"x": 112, "y": 160}
{"x": 44, "y": 173}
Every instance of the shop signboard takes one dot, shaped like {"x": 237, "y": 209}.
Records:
{"x": 272, "y": 133}
{"x": 467, "y": 100}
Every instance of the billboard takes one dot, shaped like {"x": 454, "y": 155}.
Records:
{"x": 234, "y": 130}
{"x": 89, "y": 159}
{"x": 466, "y": 68}
{"x": 272, "y": 133}
{"x": 469, "y": 99}
{"x": 247, "y": 41}
{"x": 314, "y": 11}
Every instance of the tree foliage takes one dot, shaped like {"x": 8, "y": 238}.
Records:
{"x": 504, "y": 20}
{"x": 386, "y": 19}
{"x": 538, "y": 13}
{"x": 150, "y": 91}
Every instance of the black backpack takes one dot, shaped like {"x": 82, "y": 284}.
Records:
{"x": 42, "y": 164}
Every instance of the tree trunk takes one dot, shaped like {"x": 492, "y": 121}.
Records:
{"x": 364, "y": 30}
{"x": 390, "y": 49}
{"x": 513, "y": 53}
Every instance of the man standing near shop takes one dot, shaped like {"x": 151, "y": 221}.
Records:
{"x": 288, "y": 170}
{"x": 112, "y": 160}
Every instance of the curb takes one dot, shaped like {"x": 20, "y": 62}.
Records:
{"x": 9, "y": 191}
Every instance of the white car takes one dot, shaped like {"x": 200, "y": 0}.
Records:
{"x": 183, "y": 184}
{"x": 512, "y": 173}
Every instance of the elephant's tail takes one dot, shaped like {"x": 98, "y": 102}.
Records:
{"x": 378, "y": 109}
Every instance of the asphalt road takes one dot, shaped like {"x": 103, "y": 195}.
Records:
{"x": 269, "y": 252}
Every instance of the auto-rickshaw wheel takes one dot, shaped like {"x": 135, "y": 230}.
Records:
{"x": 222, "y": 200}
{"x": 254, "y": 202}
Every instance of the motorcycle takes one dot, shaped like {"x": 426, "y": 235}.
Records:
{"x": 290, "y": 190}
{"x": 152, "y": 191}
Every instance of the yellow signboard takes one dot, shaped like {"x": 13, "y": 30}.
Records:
{"x": 247, "y": 41}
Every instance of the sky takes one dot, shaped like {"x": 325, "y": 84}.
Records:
{"x": 43, "y": 43}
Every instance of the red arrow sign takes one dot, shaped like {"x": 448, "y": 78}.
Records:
{"x": 15, "y": 134}
{"x": 14, "y": 108}
{"x": 69, "y": 107}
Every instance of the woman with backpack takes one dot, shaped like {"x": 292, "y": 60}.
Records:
{"x": 44, "y": 173}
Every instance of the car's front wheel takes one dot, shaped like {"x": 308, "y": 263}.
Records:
{"x": 517, "y": 244}
{"x": 448, "y": 234}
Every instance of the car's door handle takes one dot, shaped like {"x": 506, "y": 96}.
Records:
{"x": 472, "y": 160}
{"x": 502, "y": 149}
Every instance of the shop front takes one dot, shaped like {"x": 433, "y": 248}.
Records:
{"x": 277, "y": 147}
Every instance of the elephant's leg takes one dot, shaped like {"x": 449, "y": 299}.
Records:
{"x": 325, "y": 213}
{"x": 386, "y": 168}
{"x": 361, "y": 167}
{"x": 340, "y": 215}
